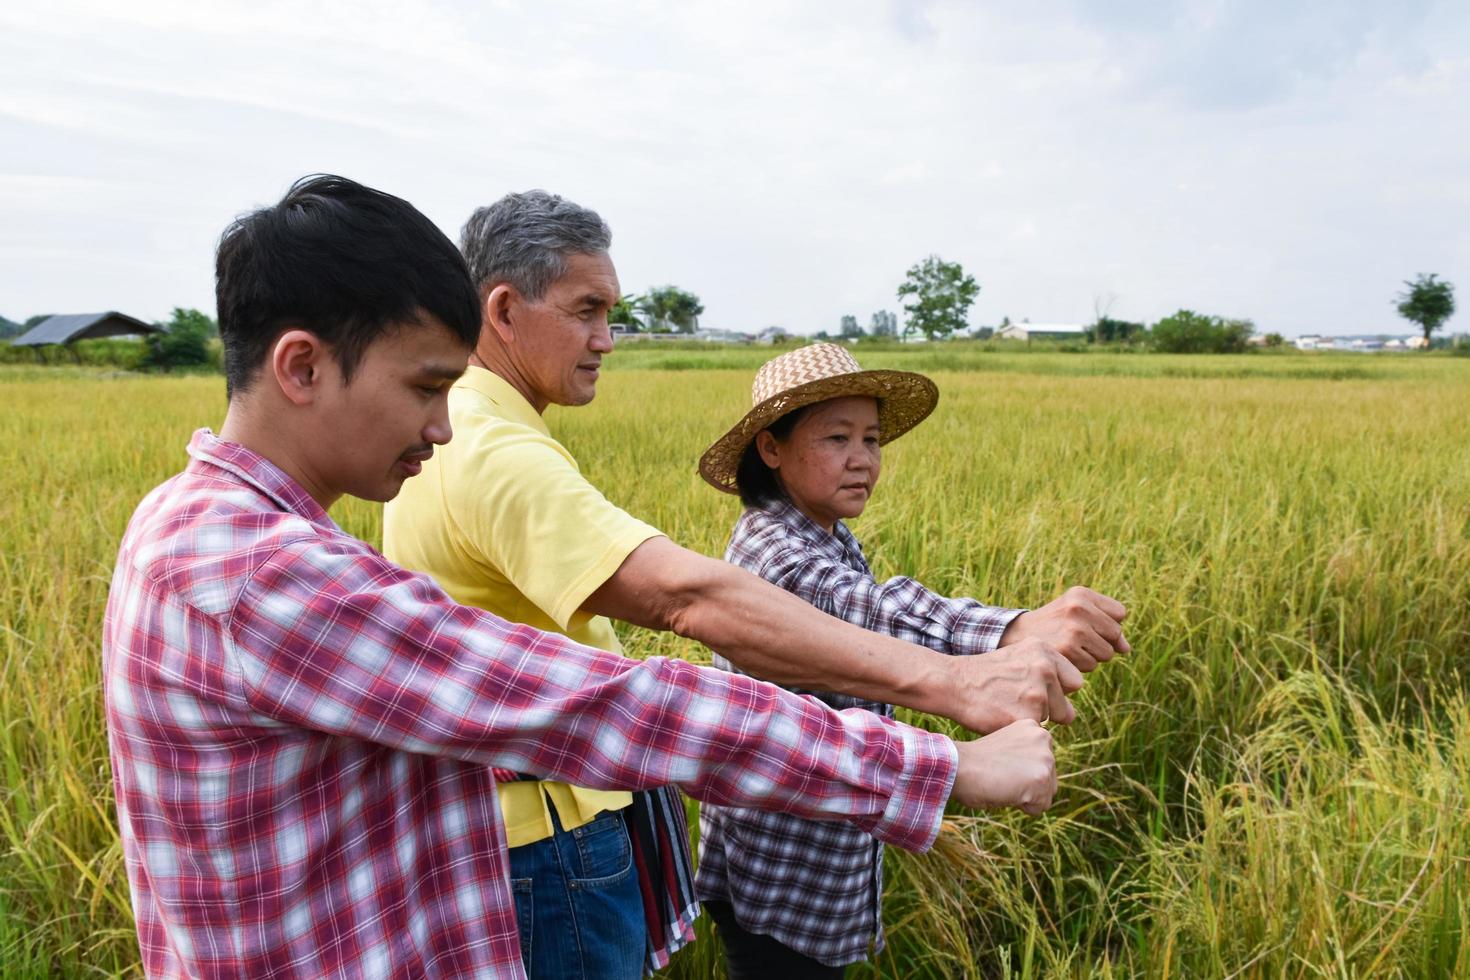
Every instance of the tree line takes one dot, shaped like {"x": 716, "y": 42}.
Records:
{"x": 936, "y": 297}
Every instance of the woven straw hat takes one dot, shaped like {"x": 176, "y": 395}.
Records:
{"x": 811, "y": 374}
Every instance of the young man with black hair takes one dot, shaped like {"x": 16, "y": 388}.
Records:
{"x": 303, "y": 734}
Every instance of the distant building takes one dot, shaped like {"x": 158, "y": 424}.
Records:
{"x": 723, "y": 336}
{"x": 68, "y": 328}
{"x": 645, "y": 336}
{"x": 1042, "y": 331}
{"x": 1361, "y": 344}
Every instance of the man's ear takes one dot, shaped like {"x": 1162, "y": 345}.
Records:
{"x": 765, "y": 444}
{"x": 498, "y": 312}
{"x": 297, "y": 360}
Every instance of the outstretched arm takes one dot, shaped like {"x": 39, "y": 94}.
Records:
{"x": 770, "y": 633}
{"x": 331, "y": 637}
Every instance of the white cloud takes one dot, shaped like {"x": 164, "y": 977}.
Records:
{"x": 786, "y": 161}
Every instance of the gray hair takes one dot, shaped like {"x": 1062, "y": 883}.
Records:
{"x": 524, "y": 240}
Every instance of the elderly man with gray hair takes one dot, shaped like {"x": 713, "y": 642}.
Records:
{"x": 504, "y": 520}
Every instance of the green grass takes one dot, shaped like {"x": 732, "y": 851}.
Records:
{"x": 1006, "y": 357}
{"x": 1274, "y": 784}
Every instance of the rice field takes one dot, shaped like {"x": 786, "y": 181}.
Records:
{"x": 1273, "y": 784}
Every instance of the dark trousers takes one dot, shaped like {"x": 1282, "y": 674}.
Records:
{"x": 749, "y": 956}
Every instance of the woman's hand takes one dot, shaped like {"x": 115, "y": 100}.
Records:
{"x": 1085, "y": 627}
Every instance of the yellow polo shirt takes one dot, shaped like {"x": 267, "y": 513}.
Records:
{"x": 503, "y": 519}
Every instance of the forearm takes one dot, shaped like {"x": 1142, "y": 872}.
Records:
{"x": 770, "y": 633}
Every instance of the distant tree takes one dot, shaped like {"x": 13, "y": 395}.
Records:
{"x": 883, "y": 324}
{"x": 983, "y": 333}
{"x": 850, "y": 328}
{"x": 184, "y": 342}
{"x": 1429, "y": 302}
{"x": 822, "y": 335}
{"x": 1106, "y": 330}
{"x": 654, "y": 305}
{"x": 940, "y": 295}
{"x": 686, "y": 311}
{"x": 1274, "y": 340}
{"x": 671, "y": 309}
{"x": 191, "y": 319}
{"x": 1187, "y": 332}
{"x": 1236, "y": 335}
{"x": 9, "y": 328}
{"x": 624, "y": 311}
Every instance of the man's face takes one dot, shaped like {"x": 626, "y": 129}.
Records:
{"x": 562, "y": 337}
{"x": 376, "y": 430}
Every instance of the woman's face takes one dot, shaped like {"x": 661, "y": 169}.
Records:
{"x": 829, "y": 463}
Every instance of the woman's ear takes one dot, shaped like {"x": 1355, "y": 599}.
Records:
{"x": 769, "y": 448}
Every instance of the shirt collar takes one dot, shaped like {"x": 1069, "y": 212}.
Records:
{"x": 511, "y": 403}
{"x": 841, "y": 543}
{"x": 258, "y": 472}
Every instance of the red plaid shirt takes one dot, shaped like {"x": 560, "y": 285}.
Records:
{"x": 302, "y": 735}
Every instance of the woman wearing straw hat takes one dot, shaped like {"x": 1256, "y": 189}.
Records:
{"x": 793, "y": 897}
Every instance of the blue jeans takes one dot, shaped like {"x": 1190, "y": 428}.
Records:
{"x": 578, "y": 904}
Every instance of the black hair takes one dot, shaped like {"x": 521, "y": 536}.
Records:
{"x": 344, "y": 261}
{"x": 757, "y": 482}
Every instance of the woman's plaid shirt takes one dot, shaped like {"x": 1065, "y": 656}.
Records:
{"x": 817, "y": 886}
{"x": 302, "y": 737}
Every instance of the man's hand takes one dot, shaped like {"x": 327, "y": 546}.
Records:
{"x": 1012, "y": 767}
{"x": 1085, "y": 626}
{"x": 1026, "y": 680}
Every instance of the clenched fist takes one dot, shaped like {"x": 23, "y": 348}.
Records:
{"x": 1026, "y": 680}
{"x": 1085, "y": 627}
{"x": 1012, "y": 767}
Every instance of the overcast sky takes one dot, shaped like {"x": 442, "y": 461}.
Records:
{"x": 1291, "y": 163}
